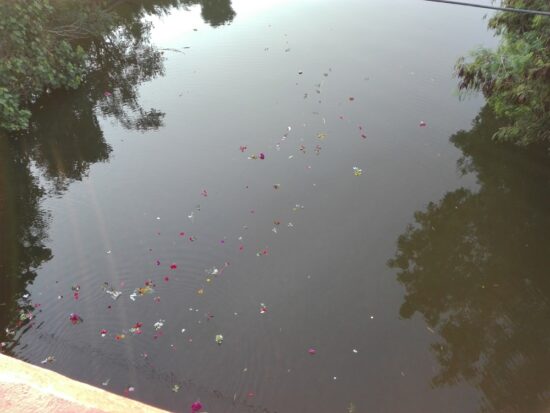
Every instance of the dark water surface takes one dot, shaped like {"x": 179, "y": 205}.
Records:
{"x": 422, "y": 284}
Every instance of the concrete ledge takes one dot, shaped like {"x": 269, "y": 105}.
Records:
{"x": 27, "y": 388}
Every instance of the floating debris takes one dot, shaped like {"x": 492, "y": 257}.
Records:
{"x": 141, "y": 292}
{"x": 263, "y": 252}
{"x": 357, "y": 171}
{"x": 212, "y": 271}
{"x": 49, "y": 359}
{"x": 76, "y": 293}
{"x": 422, "y": 124}
{"x": 75, "y": 319}
{"x": 219, "y": 339}
{"x": 312, "y": 351}
{"x": 159, "y": 324}
{"x": 103, "y": 332}
{"x": 25, "y": 315}
{"x": 175, "y": 388}
{"x": 196, "y": 406}
{"x": 136, "y": 329}
{"x": 263, "y": 308}
{"x": 108, "y": 289}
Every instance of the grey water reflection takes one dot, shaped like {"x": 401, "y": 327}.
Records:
{"x": 101, "y": 187}
{"x": 475, "y": 265}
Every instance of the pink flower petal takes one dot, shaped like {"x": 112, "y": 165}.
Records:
{"x": 75, "y": 318}
{"x": 196, "y": 406}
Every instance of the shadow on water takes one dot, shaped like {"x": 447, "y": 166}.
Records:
{"x": 476, "y": 264}
{"x": 23, "y": 232}
{"x": 64, "y": 139}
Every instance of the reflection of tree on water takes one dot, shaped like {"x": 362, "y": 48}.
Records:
{"x": 64, "y": 139}
{"x": 213, "y": 12}
{"x": 22, "y": 232}
{"x": 64, "y": 136}
{"x": 476, "y": 266}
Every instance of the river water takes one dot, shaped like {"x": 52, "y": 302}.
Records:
{"x": 300, "y": 178}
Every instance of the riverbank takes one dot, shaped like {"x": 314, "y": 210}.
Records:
{"x": 28, "y": 388}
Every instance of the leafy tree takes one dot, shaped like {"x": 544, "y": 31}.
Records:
{"x": 32, "y": 58}
{"x": 57, "y": 44}
{"x": 515, "y": 78}
{"x": 475, "y": 265}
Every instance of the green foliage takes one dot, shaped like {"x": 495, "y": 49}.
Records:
{"x": 59, "y": 44}
{"x": 32, "y": 59}
{"x": 515, "y": 78}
